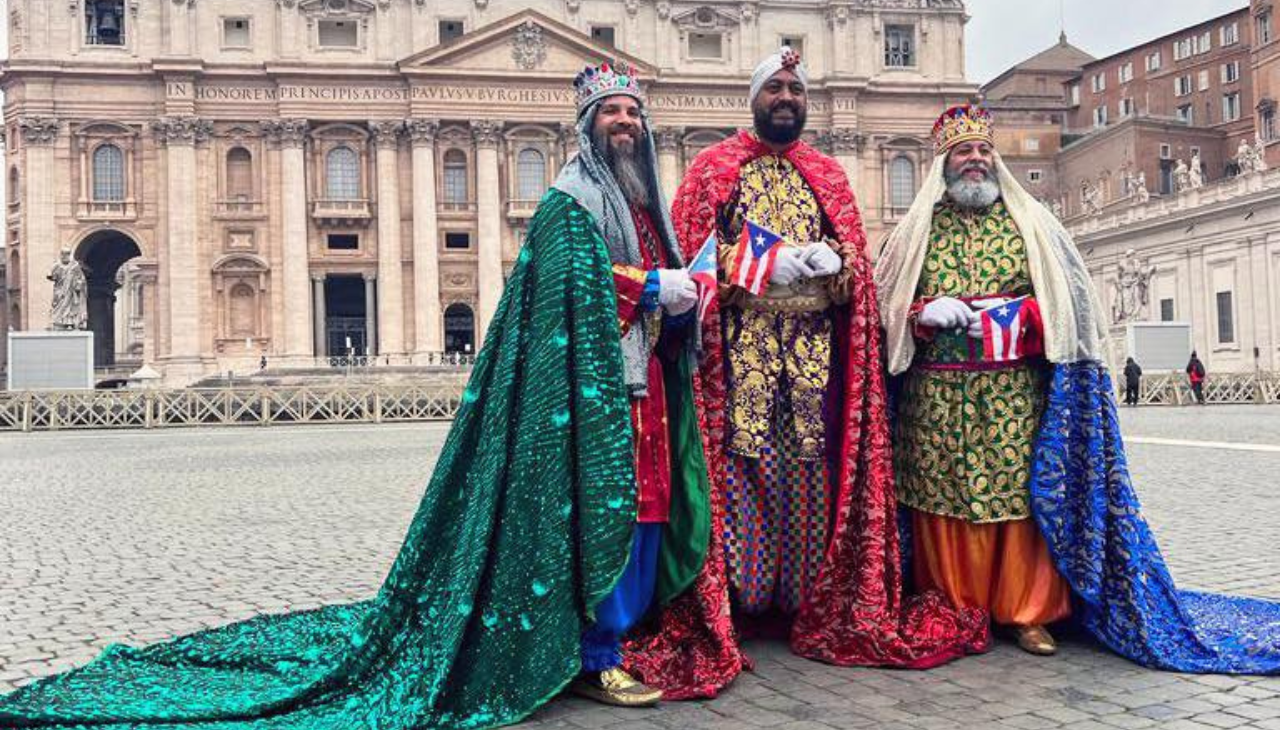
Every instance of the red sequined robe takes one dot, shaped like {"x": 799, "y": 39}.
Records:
{"x": 855, "y": 613}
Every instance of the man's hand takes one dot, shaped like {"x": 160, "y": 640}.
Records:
{"x": 948, "y": 313}
{"x": 676, "y": 291}
{"x": 823, "y": 260}
{"x": 790, "y": 266}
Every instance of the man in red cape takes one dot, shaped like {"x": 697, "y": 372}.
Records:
{"x": 845, "y": 606}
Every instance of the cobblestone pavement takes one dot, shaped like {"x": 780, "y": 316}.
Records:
{"x": 138, "y": 536}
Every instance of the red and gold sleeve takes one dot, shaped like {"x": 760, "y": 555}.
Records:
{"x": 629, "y": 283}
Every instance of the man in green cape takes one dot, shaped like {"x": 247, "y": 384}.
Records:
{"x": 570, "y": 496}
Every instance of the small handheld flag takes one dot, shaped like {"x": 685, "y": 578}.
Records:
{"x": 754, "y": 257}
{"x": 1008, "y": 330}
{"x": 702, "y": 270}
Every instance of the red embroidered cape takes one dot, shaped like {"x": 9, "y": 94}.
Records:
{"x": 855, "y": 613}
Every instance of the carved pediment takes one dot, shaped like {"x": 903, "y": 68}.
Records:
{"x": 527, "y": 42}
{"x": 707, "y": 18}
{"x": 336, "y": 8}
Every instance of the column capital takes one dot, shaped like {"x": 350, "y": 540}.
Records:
{"x": 369, "y": 277}
{"x": 182, "y": 130}
{"x": 841, "y": 140}
{"x": 386, "y": 132}
{"x": 319, "y": 276}
{"x": 667, "y": 139}
{"x": 421, "y": 131}
{"x": 39, "y": 130}
{"x": 486, "y": 133}
{"x": 286, "y": 132}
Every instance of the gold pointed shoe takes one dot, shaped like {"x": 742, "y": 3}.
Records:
{"x": 1036, "y": 640}
{"x": 615, "y": 687}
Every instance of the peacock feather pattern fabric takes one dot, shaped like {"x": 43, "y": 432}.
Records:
{"x": 526, "y": 524}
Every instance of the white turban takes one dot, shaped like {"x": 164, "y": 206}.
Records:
{"x": 772, "y": 65}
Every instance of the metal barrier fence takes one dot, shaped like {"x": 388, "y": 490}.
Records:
{"x": 90, "y": 409}
{"x": 1173, "y": 389}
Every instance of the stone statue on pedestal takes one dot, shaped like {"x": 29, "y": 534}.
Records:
{"x": 1132, "y": 288}
{"x": 1259, "y": 155}
{"x": 1090, "y": 198}
{"x": 70, "y": 308}
{"x": 1195, "y": 176}
{"x": 1140, "y": 192}
{"x": 1181, "y": 177}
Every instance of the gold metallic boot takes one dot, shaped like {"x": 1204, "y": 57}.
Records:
{"x": 615, "y": 687}
{"x": 1036, "y": 640}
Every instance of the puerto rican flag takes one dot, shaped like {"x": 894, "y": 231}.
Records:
{"x": 1010, "y": 331}
{"x": 703, "y": 270}
{"x": 754, "y": 257}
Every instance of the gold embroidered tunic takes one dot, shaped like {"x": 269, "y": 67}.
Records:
{"x": 965, "y": 437}
{"x": 778, "y": 345}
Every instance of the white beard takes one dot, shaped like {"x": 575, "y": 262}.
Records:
{"x": 974, "y": 195}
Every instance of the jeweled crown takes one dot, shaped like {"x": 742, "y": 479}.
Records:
{"x": 962, "y": 123}
{"x": 597, "y": 82}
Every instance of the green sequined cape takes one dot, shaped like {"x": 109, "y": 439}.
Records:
{"x": 526, "y": 524}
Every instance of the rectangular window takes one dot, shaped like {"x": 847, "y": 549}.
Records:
{"x": 793, "y": 41}
{"x": 1035, "y": 176}
{"x": 899, "y": 46}
{"x": 1100, "y": 116}
{"x": 457, "y": 241}
{"x": 1230, "y": 72}
{"x": 1187, "y": 113}
{"x": 1226, "y": 323}
{"x": 1166, "y": 310}
{"x": 104, "y": 22}
{"x": 1166, "y": 152}
{"x": 1206, "y": 42}
{"x": 1263, "y": 26}
{"x": 1153, "y": 61}
{"x": 451, "y": 30}
{"x": 1267, "y": 124}
{"x": 235, "y": 33}
{"x": 1230, "y": 34}
{"x": 1126, "y": 107}
{"x": 1075, "y": 95}
{"x": 1031, "y": 144}
{"x": 342, "y": 242}
{"x": 1204, "y": 79}
{"x": 1231, "y": 106}
{"x": 604, "y": 35}
{"x": 1099, "y": 83}
{"x": 1181, "y": 49}
{"x": 339, "y": 34}
{"x": 1126, "y": 72}
{"x": 1182, "y": 85}
{"x": 706, "y": 45}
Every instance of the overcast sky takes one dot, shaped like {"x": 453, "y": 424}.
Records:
{"x": 1002, "y": 33}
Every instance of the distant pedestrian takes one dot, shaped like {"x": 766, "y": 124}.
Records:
{"x": 1132, "y": 381}
{"x": 1195, "y": 373}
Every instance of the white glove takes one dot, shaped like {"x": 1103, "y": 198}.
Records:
{"x": 948, "y": 313}
{"x": 823, "y": 260}
{"x": 790, "y": 266}
{"x": 676, "y": 291}
{"x": 975, "y": 327}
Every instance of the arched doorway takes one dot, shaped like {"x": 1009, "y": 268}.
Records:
{"x": 101, "y": 254}
{"x": 459, "y": 329}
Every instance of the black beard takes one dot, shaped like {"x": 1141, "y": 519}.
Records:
{"x": 627, "y": 166}
{"x": 779, "y": 134}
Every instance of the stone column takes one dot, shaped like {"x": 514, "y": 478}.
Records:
{"x": 179, "y": 27}
{"x": 846, "y": 143}
{"x": 40, "y": 234}
{"x": 318, "y": 314}
{"x": 428, "y": 322}
{"x": 667, "y": 140}
{"x": 386, "y": 135}
{"x": 370, "y": 315}
{"x": 489, "y": 212}
{"x": 291, "y": 135}
{"x": 179, "y": 136}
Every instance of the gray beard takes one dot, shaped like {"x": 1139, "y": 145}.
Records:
{"x": 972, "y": 195}
{"x": 627, "y": 169}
